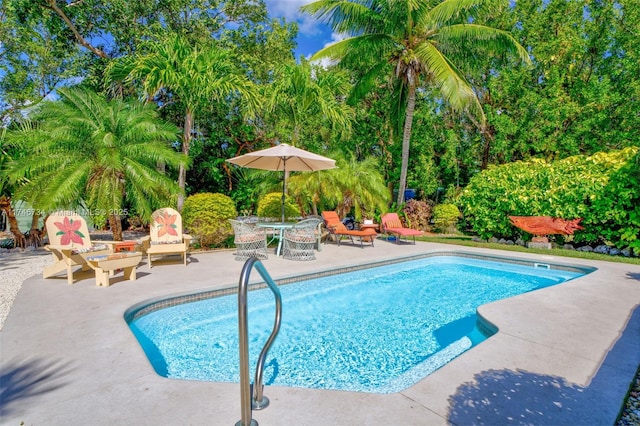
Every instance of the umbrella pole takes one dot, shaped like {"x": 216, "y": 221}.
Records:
{"x": 284, "y": 184}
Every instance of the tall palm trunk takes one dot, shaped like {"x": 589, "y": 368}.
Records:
{"x": 487, "y": 133}
{"x": 186, "y": 143}
{"x": 5, "y": 206}
{"x": 406, "y": 138}
{"x": 115, "y": 223}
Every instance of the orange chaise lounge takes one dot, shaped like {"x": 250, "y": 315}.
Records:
{"x": 337, "y": 229}
{"x": 391, "y": 225}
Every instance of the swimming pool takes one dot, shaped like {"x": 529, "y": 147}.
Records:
{"x": 375, "y": 330}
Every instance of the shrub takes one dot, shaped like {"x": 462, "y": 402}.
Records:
{"x": 445, "y": 218}
{"x": 417, "y": 214}
{"x": 271, "y": 206}
{"x": 206, "y": 216}
{"x": 603, "y": 189}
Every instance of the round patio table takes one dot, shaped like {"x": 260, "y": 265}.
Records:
{"x": 279, "y": 228}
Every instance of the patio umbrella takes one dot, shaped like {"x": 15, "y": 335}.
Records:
{"x": 285, "y": 158}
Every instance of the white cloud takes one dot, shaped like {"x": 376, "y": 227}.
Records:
{"x": 326, "y": 62}
{"x": 309, "y": 26}
{"x": 290, "y": 9}
{"x": 336, "y": 37}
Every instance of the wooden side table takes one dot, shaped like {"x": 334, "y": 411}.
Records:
{"x": 125, "y": 246}
{"x": 373, "y": 226}
{"x": 107, "y": 264}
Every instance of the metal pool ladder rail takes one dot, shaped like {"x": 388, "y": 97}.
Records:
{"x": 258, "y": 401}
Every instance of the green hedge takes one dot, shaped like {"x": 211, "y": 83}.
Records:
{"x": 271, "y": 206}
{"x": 445, "y": 218}
{"x": 603, "y": 189}
{"x": 206, "y": 217}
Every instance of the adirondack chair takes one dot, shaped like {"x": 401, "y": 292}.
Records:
{"x": 166, "y": 236}
{"x": 70, "y": 244}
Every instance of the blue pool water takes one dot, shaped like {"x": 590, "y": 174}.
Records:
{"x": 376, "y": 330}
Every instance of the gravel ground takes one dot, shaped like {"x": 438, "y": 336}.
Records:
{"x": 15, "y": 267}
{"x": 631, "y": 412}
{"x": 18, "y": 265}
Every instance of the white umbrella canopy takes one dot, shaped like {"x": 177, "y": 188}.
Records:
{"x": 284, "y": 158}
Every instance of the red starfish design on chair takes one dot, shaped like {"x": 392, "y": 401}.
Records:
{"x": 69, "y": 231}
{"x": 166, "y": 225}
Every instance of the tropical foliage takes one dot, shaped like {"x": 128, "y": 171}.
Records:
{"x": 6, "y": 190}
{"x": 445, "y": 217}
{"x": 302, "y": 91}
{"x": 206, "y": 217}
{"x": 271, "y": 206}
{"x": 354, "y": 186}
{"x": 579, "y": 96}
{"x": 603, "y": 189}
{"x": 175, "y": 70}
{"x": 413, "y": 41}
{"x": 417, "y": 214}
{"x": 83, "y": 152}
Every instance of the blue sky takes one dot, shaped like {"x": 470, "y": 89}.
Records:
{"x": 312, "y": 35}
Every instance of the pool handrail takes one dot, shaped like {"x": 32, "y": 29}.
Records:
{"x": 259, "y": 401}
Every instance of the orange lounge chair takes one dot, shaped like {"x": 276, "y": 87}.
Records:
{"x": 391, "y": 225}
{"x": 337, "y": 230}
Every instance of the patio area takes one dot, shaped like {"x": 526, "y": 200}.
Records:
{"x": 563, "y": 355}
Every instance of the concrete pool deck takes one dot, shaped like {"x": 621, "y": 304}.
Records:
{"x": 563, "y": 355}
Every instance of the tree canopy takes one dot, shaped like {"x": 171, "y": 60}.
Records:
{"x": 416, "y": 43}
{"x": 580, "y": 95}
{"x": 84, "y": 152}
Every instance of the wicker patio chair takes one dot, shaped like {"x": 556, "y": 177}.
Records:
{"x": 250, "y": 241}
{"x": 301, "y": 239}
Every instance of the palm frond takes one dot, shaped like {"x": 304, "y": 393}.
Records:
{"x": 451, "y": 83}
{"x": 344, "y": 16}
{"x": 367, "y": 82}
{"x": 85, "y": 148}
{"x": 481, "y": 37}
{"x": 449, "y": 12}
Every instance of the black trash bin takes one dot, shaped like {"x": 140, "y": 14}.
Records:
{"x": 349, "y": 222}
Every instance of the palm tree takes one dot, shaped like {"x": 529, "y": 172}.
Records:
{"x": 191, "y": 74}
{"x": 301, "y": 91}
{"x": 6, "y": 189}
{"x": 356, "y": 184}
{"x": 416, "y": 41}
{"x": 12, "y": 148}
{"x": 85, "y": 152}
